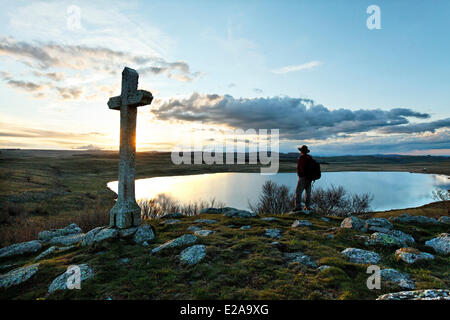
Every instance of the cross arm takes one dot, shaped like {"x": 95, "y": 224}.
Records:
{"x": 136, "y": 99}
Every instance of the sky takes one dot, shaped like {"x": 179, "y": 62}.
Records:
{"x": 311, "y": 69}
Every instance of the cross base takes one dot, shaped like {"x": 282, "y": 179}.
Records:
{"x": 125, "y": 214}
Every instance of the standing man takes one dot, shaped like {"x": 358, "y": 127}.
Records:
{"x": 304, "y": 180}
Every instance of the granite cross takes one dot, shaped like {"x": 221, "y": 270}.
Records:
{"x": 126, "y": 212}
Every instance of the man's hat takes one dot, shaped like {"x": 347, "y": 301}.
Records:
{"x": 304, "y": 149}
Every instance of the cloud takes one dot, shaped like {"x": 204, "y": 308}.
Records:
{"x": 419, "y": 127}
{"x": 299, "y": 67}
{"x": 25, "y": 85}
{"x": 296, "y": 118}
{"x": 257, "y": 90}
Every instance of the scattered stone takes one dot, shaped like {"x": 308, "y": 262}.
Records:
{"x": 208, "y": 221}
{"x": 144, "y": 233}
{"x": 18, "y": 276}
{"x": 231, "y": 226}
{"x": 170, "y": 221}
{"x": 193, "y": 254}
{"x": 361, "y": 256}
{"x": 354, "y": 223}
{"x": 67, "y": 240}
{"x": 428, "y": 294}
{"x": 301, "y": 258}
{"x": 60, "y": 282}
{"x": 275, "y": 243}
{"x": 269, "y": 219}
{"x": 440, "y": 244}
{"x": 273, "y": 233}
{"x": 398, "y": 278}
{"x": 204, "y": 233}
{"x": 406, "y": 218}
{"x": 211, "y": 211}
{"x": 20, "y": 249}
{"x": 301, "y": 223}
{"x": 125, "y": 260}
{"x": 378, "y": 225}
{"x": 403, "y": 236}
{"x": 325, "y": 219}
{"x": 47, "y": 252}
{"x": 444, "y": 219}
{"x": 194, "y": 228}
{"x": 386, "y": 240}
{"x": 125, "y": 233}
{"x": 330, "y": 236}
{"x": 180, "y": 241}
{"x": 361, "y": 237}
{"x": 245, "y": 227}
{"x": 100, "y": 234}
{"x": 411, "y": 255}
{"x": 173, "y": 215}
{"x": 49, "y": 234}
{"x": 324, "y": 267}
{"x": 236, "y": 213}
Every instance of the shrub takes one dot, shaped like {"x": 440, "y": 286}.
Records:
{"x": 273, "y": 199}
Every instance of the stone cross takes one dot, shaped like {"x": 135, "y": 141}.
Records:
{"x": 126, "y": 212}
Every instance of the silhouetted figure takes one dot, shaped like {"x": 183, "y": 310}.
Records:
{"x": 304, "y": 180}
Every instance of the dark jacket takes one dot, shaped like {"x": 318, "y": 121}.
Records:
{"x": 302, "y": 165}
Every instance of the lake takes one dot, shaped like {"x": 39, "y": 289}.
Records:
{"x": 391, "y": 190}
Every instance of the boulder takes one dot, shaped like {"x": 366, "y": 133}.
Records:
{"x": 100, "y": 234}
{"x": 207, "y": 221}
{"x": 60, "y": 282}
{"x": 180, "y": 241}
{"x": 354, "y": 223}
{"x": 47, "y": 252}
{"x": 385, "y": 240}
{"x": 18, "y": 276}
{"x": 236, "y": 213}
{"x": 324, "y": 267}
{"x": 428, "y": 294}
{"x": 402, "y": 235}
{"x": 245, "y": 227}
{"x": 194, "y": 228}
{"x": 400, "y": 279}
{"x": 301, "y": 223}
{"x": 193, "y": 254}
{"x": 211, "y": 211}
{"x": 49, "y": 234}
{"x": 67, "y": 240}
{"x": 171, "y": 221}
{"x": 20, "y": 249}
{"x": 269, "y": 219}
{"x": 301, "y": 258}
{"x": 173, "y": 215}
{"x": 440, "y": 244}
{"x": 411, "y": 255}
{"x": 361, "y": 256}
{"x": 406, "y": 218}
{"x": 125, "y": 233}
{"x": 273, "y": 233}
{"x": 378, "y": 225}
{"x": 144, "y": 234}
{"x": 444, "y": 219}
{"x": 325, "y": 219}
{"x": 204, "y": 233}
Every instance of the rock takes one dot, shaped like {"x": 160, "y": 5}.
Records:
{"x": 194, "y": 228}
{"x": 211, "y": 211}
{"x": 172, "y": 215}
{"x": 18, "y": 276}
{"x": 444, "y": 219}
{"x": 170, "y": 221}
{"x": 361, "y": 256}
{"x": 20, "y": 249}
{"x": 400, "y": 279}
{"x": 403, "y": 236}
{"x": 207, "y": 221}
{"x": 386, "y": 240}
{"x": 204, "y": 233}
{"x": 125, "y": 260}
{"x": 49, "y": 234}
{"x": 47, "y": 252}
{"x": 322, "y": 268}
{"x": 354, "y": 223}
{"x": 428, "y": 294}
{"x": 440, "y": 244}
{"x": 325, "y": 219}
{"x": 411, "y": 255}
{"x": 273, "y": 233}
{"x": 275, "y": 243}
{"x": 193, "y": 254}
{"x": 330, "y": 236}
{"x": 100, "y": 234}
{"x": 301, "y": 258}
{"x": 180, "y": 241}
{"x": 236, "y": 213}
{"x": 67, "y": 240}
{"x": 60, "y": 282}
{"x": 245, "y": 227}
{"x": 406, "y": 218}
{"x": 378, "y": 224}
{"x": 144, "y": 233}
{"x": 269, "y": 219}
{"x": 301, "y": 223}
{"x": 125, "y": 233}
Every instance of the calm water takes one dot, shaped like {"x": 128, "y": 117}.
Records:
{"x": 391, "y": 190}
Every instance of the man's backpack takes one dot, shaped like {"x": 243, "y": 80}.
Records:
{"x": 313, "y": 171}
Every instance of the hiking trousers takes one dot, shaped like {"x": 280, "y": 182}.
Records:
{"x": 303, "y": 184}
